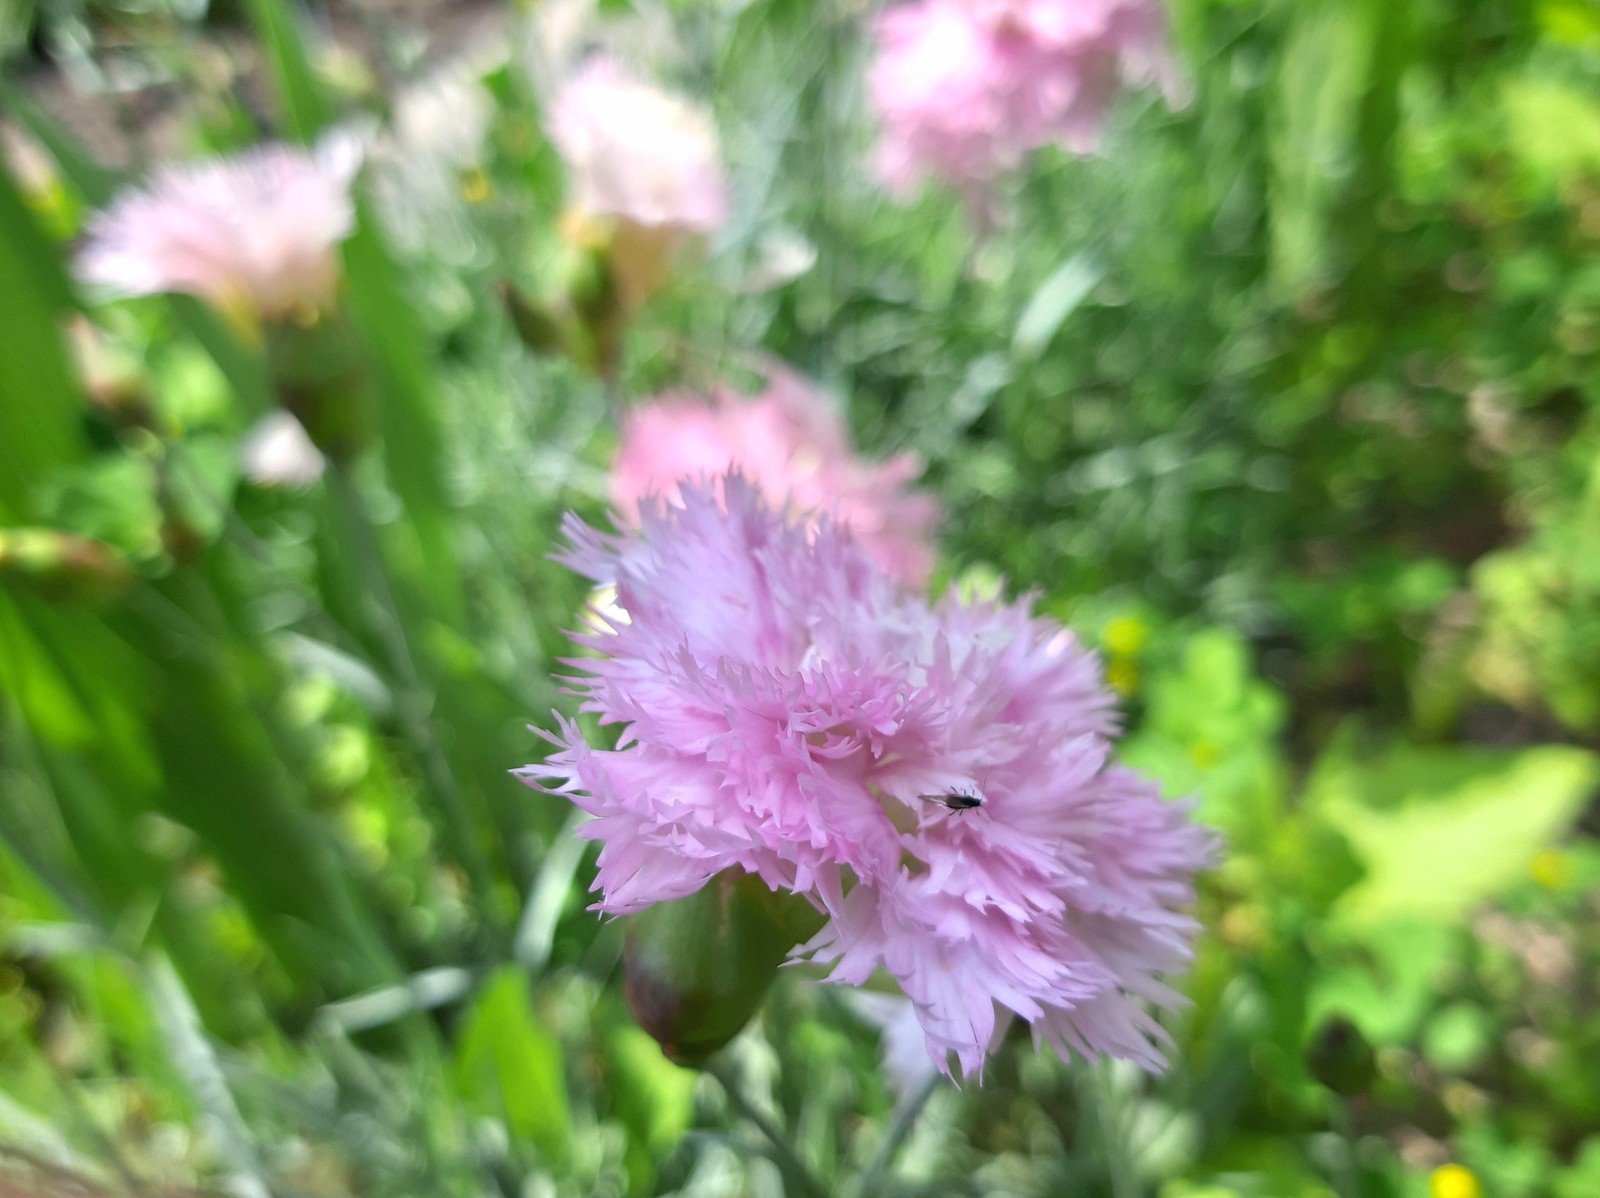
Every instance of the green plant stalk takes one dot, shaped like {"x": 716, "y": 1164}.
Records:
{"x": 901, "y": 1122}
{"x": 795, "y": 1170}
{"x": 1347, "y": 1180}
{"x": 1119, "y": 1165}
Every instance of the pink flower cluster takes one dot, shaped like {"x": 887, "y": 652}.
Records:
{"x": 256, "y": 235}
{"x": 965, "y": 89}
{"x": 792, "y": 443}
{"x": 790, "y": 712}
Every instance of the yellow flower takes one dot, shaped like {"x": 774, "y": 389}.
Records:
{"x": 1123, "y": 675}
{"x": 1205, "y": 754}
{"x": 1551, "y": 868}
{"x": 1126, "y": 635}
{"x": 1454, "y": 1181}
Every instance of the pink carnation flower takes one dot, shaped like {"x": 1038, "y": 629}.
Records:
{"x": 966, "y": 88}
{"x": 792, "y": 442}
{"x": 637, "y": 153}
{"x": 255, "y": 234}
{"x": 789, "y": 712}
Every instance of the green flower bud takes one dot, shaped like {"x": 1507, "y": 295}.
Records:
{"x": 592, "y": 291}
{"x": 1340, "y": 1058}
{"x": 539, "y": 326}
{"x": 698, "y": 968}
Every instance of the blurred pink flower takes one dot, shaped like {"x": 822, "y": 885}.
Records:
{"x": 794, "y": 444}
{"x": 790, "y": 712}
{"x": 256, "y": 234}
{"x": 637, "y": 153}
{"x": 966, "y": 88}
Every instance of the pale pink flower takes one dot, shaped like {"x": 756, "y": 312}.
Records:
{"x": 637, "y": 153}
{"x": 257, "y": 234}
{"x": 942, "y": 89}
{"x": 902, "y": 1044}
{"x": 788, "y": 711}
{"x": 965, "y": 89}
{"x": 794, "y": 444}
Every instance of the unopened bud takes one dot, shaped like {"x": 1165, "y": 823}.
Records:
{"x": 1340, "y": 1058}
{"x": 602, "y": 317}
{"x": 538, "y": 325}
{"x": 698, "y": 967}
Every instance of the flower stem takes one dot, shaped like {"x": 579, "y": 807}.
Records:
{"x": 1348, "y": 1176}
{"x": 795, "y": 1171}
{"x": 901, "y": 1122}
{"x": 1118, "y": 1165}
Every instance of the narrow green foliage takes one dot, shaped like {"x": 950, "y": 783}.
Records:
{"x": 305, "y": 111}
{"x": 41, "y": 410}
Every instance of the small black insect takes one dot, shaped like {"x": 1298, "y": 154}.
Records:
{"x": 955, "y": 800}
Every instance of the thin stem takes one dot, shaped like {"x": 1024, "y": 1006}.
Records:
{"x": 894, "y": 1136}
{"x": 1098, "y": 1107}
{"x": 1348, "y": 1175}
{"x": 794, "y": 1169}
{"x": 1118, "y": 1166}
{"x": 80, "y": 1115}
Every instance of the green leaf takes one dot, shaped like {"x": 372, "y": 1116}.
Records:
{"x": 1212, "y": 729}
{"x": 413, "y": 443}
{"x": 1385, "y": 983}
{"x": 1456, "y": 827}
{"x": 508, "y": 1065}
{"x": 1055, "y": 300}
{"x": 40, "y": 408}
{"x": 305, "y": 111}
{"x": 653, "y": 1097}
{"x": 1583, "y": 1179}
{"x": 1554, "y": 129}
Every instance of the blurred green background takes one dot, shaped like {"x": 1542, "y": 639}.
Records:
{"x": 1287, "y": 400}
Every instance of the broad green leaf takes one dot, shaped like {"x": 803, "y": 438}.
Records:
{"x": 1386, "y": 982}
{"x": 507, "y": 1064}
{"x": 1456, "y": 828}
{"x": 653, "y": 1097}
{"x": 1572, "y": 23}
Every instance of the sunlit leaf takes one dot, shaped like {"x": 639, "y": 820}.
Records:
{"x": 508, "y": 1065}
{"x": 1461, "y": 828}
